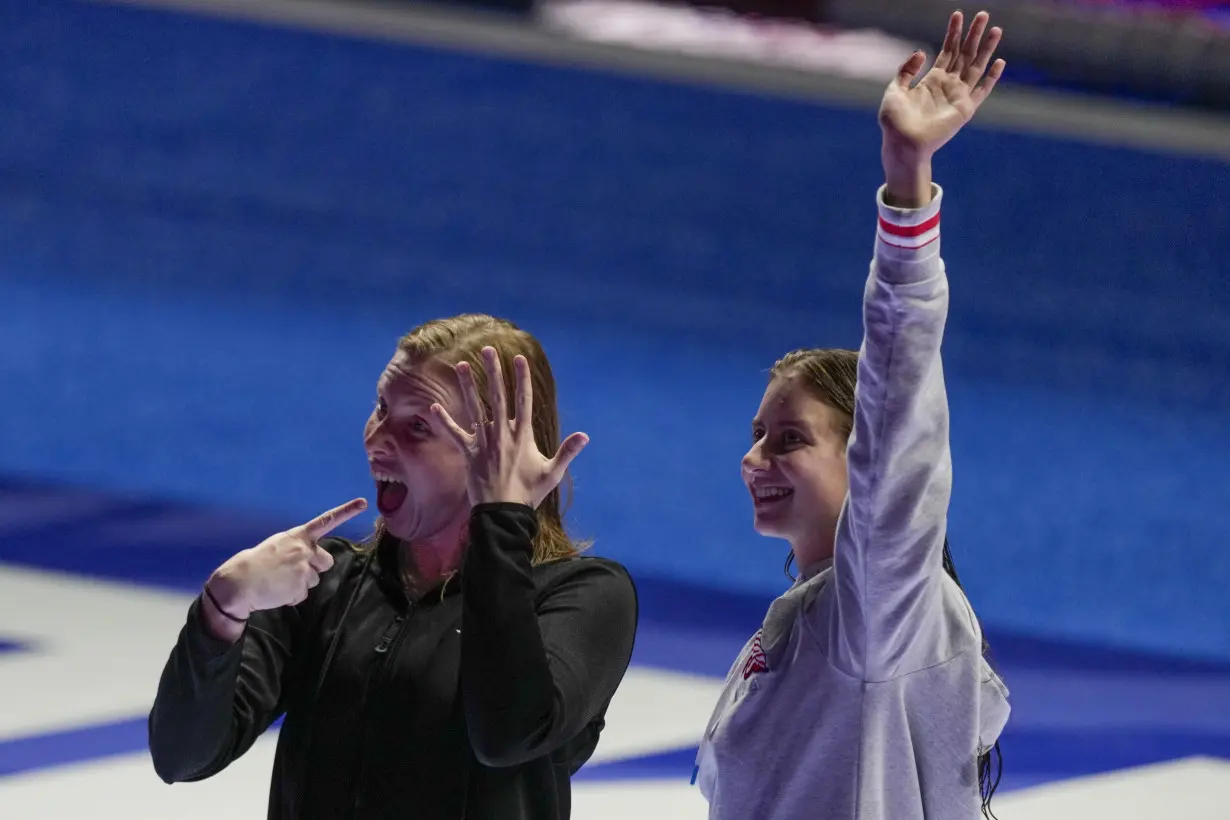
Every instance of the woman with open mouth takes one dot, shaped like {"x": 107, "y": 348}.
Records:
{"x": 459, "y": 663}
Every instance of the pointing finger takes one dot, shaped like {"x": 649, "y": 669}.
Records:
{"x": 322, "y": 525}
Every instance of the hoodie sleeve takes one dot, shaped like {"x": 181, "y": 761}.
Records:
{"x": 216, "y": 698}
{"x": 890, "y": 536}
{"x": 536, "y": 670}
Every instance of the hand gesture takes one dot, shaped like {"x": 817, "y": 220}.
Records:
{"x": 917, "y": 121}
{"x": 505, "y": 463}
{"x": 280, "y": 570}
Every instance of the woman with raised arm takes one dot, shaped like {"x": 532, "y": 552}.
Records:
{"x": 458, "y": 665}
{"x": 865, "y": 695}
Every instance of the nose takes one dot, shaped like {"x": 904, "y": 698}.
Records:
{"x": 754, "y": 462}
{"x": 375, "y": 438}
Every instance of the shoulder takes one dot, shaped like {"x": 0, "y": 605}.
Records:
{"x": 601, "y": 577}
{"x": 590, "y": 568}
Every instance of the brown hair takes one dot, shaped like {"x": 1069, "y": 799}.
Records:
{"x": 831, "y": 375}
{"x": 462, "y": 338}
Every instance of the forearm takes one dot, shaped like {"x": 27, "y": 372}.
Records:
{"x": 536, "y": 665}
{"x": 889, "y": 540}
{"x": 216, "y": 696}
{"x": 509, "y": 694}
{"x": 907, "y": 179}
{"x": 191, "y": 724}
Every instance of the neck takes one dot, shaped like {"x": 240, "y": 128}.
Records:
{"x": 808, "y": 551}
{"x": 430, "y": 561}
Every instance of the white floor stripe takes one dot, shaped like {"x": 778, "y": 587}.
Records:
{"x": 100, "y": 647}
{"x": 126, "y": 788}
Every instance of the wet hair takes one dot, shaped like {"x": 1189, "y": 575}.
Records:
{"x": 831, "y": 375}
{"x": 462, "y": 339}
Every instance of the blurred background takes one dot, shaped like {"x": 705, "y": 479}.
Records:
{"x": 217, "y": 217}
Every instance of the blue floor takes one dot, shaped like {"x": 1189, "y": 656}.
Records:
{"x": 1077, "y": 709}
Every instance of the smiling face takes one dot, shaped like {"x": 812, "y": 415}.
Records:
{"x": 796, "y": 467}
{"x": 419, "y": 471}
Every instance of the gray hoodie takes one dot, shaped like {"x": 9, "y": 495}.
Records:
{"x": 864, "y": 696}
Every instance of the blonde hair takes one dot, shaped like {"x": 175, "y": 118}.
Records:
{"x": 461, "y": 339}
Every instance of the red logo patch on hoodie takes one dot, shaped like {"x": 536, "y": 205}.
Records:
{"x": 756, "y": 660}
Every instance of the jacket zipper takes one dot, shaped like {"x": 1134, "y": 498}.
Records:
{"x": 388, "y": 642}
{"x": 390, "y": 635}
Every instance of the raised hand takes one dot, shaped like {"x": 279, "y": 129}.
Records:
{"x": 280, "y": 570}
{"x": 919, "y": 119}
{"x": 505, "y": 463}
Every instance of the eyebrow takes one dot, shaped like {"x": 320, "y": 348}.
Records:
{"x": 787, "y": 422}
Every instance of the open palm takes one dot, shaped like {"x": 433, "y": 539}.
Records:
{"x": 918, "y": 120}
{"x": 504, "y": 461}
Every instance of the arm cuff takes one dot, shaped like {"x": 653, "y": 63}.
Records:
{"x": 909, "y": 234}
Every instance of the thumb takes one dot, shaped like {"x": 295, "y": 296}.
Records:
{"x": 570, "y": 449}
{"x": 910, "y": 68}
{"x": 321, "y": 559}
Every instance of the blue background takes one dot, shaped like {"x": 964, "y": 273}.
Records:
{"x": 211, "y": 236}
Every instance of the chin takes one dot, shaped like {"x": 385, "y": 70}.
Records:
{"x": 767, "y": 529}
{"x": 406, "y": 526}
{"x": 399, "y": 527}
{"x": 393, "y": 529}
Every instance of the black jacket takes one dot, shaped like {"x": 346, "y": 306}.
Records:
{"x": 479, "y": 703}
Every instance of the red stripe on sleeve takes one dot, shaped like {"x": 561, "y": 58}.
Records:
{"x": 912, "y": 230}
{"x": 909, "y": 247}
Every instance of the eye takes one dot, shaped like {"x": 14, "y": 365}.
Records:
{"x": 757, "y": 433}
{"x": 791, "y": 437}
{"x": 419, "y": 426}
{"x": 382, "y": 407}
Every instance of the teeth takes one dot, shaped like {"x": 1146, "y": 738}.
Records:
{"x": 772, "y": 492}
{"x": 383, "y": 476}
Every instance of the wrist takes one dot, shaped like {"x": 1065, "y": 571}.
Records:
{"x": 220, "y": 622}
{"x": 908, "y": 184}
{"x": 499, "y": 495}
{"x": 907, "y": 173}
{"x": 226, "y": 595}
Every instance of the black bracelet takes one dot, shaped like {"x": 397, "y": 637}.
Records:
{"x": 218, "y": 607}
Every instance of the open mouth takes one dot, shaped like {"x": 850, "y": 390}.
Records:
{"x": 766, "y": 497}
{"x": 390, "y": 493}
